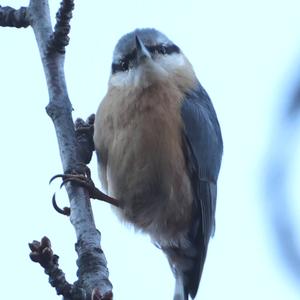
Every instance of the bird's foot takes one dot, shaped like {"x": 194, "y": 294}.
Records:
{"x": 82, "y": 178}
{"x": 84, "y": 131}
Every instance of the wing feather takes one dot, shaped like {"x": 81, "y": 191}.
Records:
{"x": 203, "y": 147}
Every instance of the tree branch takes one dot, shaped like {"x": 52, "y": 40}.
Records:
{"x": 92, "y": 267}
{"x": 41, "y": 252}
{"x": 59, "y": 39}
{"x": 10, "y": 17}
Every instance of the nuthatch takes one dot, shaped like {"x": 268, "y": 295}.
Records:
{"x": 159, "y": 149}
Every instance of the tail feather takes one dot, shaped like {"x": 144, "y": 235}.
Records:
{"x": 187, "y": 265}
{"x": 192, "y": 276}
{"x": 181, "y": 293}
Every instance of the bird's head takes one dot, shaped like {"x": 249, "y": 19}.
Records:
{"x": 145, "y": 56}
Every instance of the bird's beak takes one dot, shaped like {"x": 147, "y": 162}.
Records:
{"x": 142, "y": 54}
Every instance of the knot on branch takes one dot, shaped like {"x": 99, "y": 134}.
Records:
{"x": 96, "y": 295}
{"x": 60, "y": 39}
{"x": 10, "y": 17}
{"x": 90, "y": 261}
{"x": 92, "y": 270}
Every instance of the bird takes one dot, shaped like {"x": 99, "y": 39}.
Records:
{"x": 159, "y": 149}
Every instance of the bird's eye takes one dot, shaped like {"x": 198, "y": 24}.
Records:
{"x": 158, "y": 49}
{"x": 124, "y": 65}
{"x": 121, "y": 66}
{"x": 162, "y": 50}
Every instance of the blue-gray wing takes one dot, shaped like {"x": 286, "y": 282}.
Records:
{"x": 203, "y": 147}
{"x": 202, "y": 133}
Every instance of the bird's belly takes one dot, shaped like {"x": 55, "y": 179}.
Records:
{"x": 146, "y": 170}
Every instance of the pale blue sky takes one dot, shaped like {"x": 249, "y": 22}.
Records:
{"x": 245, "y": 53}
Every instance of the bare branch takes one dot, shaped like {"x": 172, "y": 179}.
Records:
{"x": 92, "y": 272}
{"x": 92, "y": 265}
{"x": 59, "y": 39}
{"x": 10, "y": 17}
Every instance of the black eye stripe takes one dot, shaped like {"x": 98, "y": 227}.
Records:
{"x": 123, "y": 64}
{"x": 119, "y": 67}
{"x": 164, "y": 49}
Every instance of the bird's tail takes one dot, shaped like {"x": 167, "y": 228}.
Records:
{"x": 187, "y": 265}
{"x": 181, "y": 292}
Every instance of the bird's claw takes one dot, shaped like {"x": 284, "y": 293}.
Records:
{"x": 66, "y": 211}
{"x": 82, "y": 179}
{"x": 83, "y": 174}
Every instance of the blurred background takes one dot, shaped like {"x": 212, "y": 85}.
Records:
{"x": 247, "y": 56}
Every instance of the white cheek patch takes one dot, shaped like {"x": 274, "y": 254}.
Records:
{"x": 171, "y": 62}
{"x": 122, "y": 79}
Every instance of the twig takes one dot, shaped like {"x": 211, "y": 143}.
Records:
{"x": 59, "y": 39}
{"x": 41, "y": 252}
{"x": 10, "y": 17}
